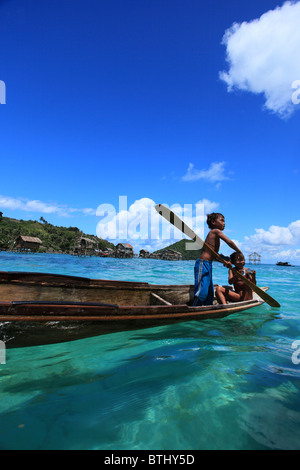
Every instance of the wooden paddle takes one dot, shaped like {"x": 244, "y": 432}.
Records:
{"x": 180, "y": 225}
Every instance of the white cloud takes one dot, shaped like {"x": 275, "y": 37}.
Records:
{"x": 276, "y": 242}
{"x": 209, "y": 206}
{"x": 215, "y": 173}
{"x": 263, "y": 57}
{"x": 143, "y": 227}
{"x": 7, "y": 202}
{"x": 139, "y": 222}
{"x": 289, "y": 254}
{"x": 278, "y": 235}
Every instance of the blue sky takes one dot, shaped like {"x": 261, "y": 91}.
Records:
{"x": 148, "y": 99}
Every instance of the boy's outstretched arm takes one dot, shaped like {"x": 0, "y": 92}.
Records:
{"x": 228, "y": 241}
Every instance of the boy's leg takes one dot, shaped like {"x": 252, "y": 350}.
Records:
{"x": 210, "y": 295}
{"x": 233, "y": 296}
{"x": 220, "y": 294}
{"x": 203, "y": 283}
{"x": 224, "y": 293}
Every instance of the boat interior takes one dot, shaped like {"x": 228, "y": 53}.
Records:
{"x": 41, "y": 287}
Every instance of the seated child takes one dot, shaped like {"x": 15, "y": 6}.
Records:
{"x": 241, "y": 290}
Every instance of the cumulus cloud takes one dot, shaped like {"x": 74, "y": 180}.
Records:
{"x": 288, "y": 254}
{"x": 7, "y": 202}
{"x": 140, "y": 221}
{"x": 263, "y": 57}
{"x": 276, "y": 241}
{"x": 278, "y": 235}
{"x": 215, "y": 173}
{"x": 144, "y": 227}
{"x": 208, "y": 206}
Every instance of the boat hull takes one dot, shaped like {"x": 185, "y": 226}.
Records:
{"x": 37, "y": 309}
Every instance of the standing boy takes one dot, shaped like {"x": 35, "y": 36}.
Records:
{"x": 204, "y": 288}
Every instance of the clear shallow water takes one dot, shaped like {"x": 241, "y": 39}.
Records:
{"x": 217, "y": 384}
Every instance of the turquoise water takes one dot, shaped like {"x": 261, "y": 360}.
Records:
{"x": 218, "y": 384}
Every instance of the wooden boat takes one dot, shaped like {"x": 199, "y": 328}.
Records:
{"x": 39, "y": 308}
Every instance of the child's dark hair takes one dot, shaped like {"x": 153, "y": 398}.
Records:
{"x": 211, "y": 218}
{"x": 235, "y": 255}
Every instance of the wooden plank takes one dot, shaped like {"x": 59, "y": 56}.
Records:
{"x": 157, "y": 300}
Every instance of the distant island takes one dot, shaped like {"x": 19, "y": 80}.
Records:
{"x": 43, "y": 237}
{"x": 53, "y": 239}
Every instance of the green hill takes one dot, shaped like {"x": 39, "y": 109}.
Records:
{"x": 181, "y": 248}
{"x": 52, "y": 237}
{"x": 187, "y": 254}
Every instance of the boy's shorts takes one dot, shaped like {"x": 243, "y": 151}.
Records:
{"x": 204, "y": 288}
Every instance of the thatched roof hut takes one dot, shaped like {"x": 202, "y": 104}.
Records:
{"x": 87, "y": 242}
{"x": 24, "y": 243}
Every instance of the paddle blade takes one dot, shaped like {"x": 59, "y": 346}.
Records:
{"x": 169, "y": 215}
{"x": 262, "y": 294}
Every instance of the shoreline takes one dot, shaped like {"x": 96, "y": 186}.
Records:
{"x": 135, "y": 258}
